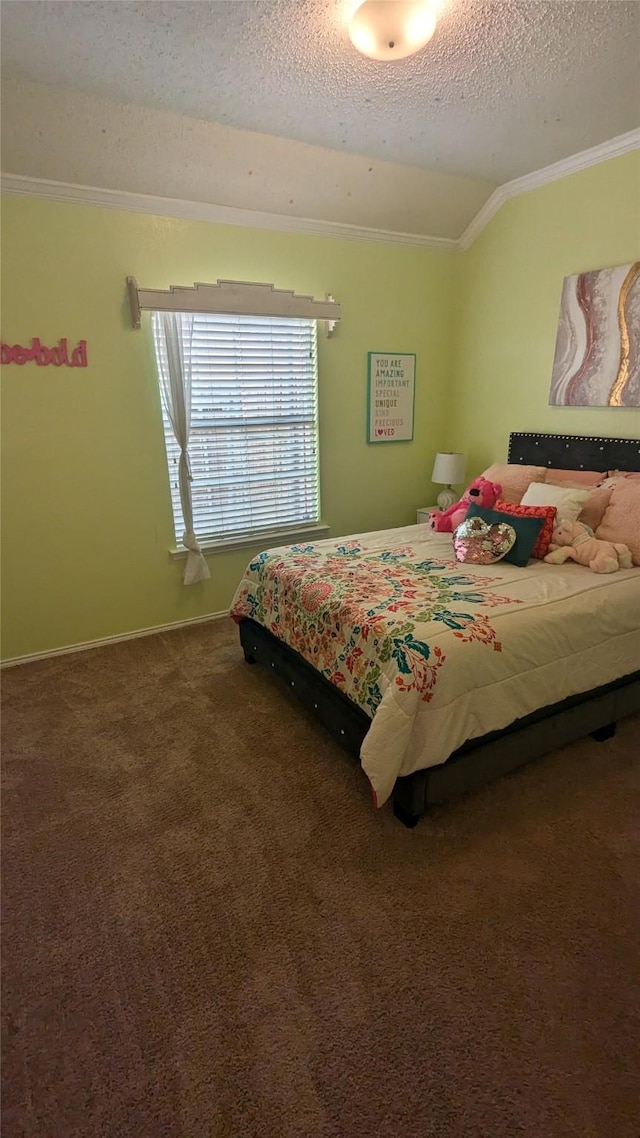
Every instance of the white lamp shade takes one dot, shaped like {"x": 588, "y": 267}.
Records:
{"x": 392, "y": 29}
{"x": 448, "y": 467}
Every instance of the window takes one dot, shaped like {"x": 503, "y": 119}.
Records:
{"x": 253, "y": 443}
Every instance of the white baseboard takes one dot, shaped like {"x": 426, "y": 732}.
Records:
{"x": 103, "y": 641}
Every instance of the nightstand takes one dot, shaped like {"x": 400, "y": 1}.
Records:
{"x": 422, "y": 515}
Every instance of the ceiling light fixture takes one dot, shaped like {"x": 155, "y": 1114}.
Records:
{"x": 392, "y": 29}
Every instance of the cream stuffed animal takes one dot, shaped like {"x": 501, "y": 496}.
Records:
{"x": 576, "y": 541}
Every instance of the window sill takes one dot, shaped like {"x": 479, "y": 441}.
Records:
{"x": 269, "y": 540}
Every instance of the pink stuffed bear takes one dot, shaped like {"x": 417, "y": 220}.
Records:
{"x": 575, "y": 541}
{"x": 481, "y": 491}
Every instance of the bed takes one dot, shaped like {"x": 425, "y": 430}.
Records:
{"x": 441, "y": 676}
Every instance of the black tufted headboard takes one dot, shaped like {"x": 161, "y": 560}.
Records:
{"x": 574, "y": 452}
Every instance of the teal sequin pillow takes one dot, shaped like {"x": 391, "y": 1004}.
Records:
{"x": 527, "y": 531}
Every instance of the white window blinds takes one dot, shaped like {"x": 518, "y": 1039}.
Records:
{"x": 253, "y": 445}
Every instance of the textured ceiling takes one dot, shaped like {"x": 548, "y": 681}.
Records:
{"x": 505, "y": 86}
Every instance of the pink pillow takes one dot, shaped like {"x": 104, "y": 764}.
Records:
{"x": 576, "y": 477}
{"x": 514, "y": 478}
{"x": 593, "y": 510}
{"x": 595, "y": 507}
{"x": 548, "y": 513}
{"x": 621, "y": 521}
{"x": 634, "y": 475}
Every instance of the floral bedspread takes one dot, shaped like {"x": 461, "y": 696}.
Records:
{"x": 359, "y": 616}
{"x": 407, "y": 633}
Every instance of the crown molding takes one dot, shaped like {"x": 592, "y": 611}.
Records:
{"x": 69, "y": 192}
{"x": 21, "y": 185}
{"x": 622, "y": 144}
{"x": 482, "y": 219}
{"x": 615, "y": 147}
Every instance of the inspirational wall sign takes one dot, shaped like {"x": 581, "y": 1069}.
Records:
{"x": 41, "y": 355}
{"x": 391, "y": 389}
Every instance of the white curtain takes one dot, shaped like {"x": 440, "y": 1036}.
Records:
{"x": 174, "y": 332}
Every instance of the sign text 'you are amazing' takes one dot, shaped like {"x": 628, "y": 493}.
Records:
{"x": 391, "y": 396}
{"x": 59, "y": 356}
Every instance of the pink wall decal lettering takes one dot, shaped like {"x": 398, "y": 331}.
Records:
{"x": 43, "y": 356}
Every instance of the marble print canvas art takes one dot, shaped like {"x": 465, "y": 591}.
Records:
{"x": 597, "y": 356}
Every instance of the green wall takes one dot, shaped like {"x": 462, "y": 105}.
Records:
{"x": 86, "y": 514}
{"x": 507, "y": 301}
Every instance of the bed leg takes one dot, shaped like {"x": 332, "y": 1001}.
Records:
{"x": 601, "y": 734}
{"x": 410, "y": 798}
{"x": 407, "y": 819}
{"x": 247, "y": 645}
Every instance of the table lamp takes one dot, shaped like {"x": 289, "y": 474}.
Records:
{"x": 447, "y": 468}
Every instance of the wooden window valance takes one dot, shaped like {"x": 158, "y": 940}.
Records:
{"x": 240, "y": 298}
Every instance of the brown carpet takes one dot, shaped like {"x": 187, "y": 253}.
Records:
{"x": 209, "y": 931}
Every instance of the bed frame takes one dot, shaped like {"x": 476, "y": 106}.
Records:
{"x": 480, "y": 760}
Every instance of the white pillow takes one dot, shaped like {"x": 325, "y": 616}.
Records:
{"x": 568, "y": 501}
